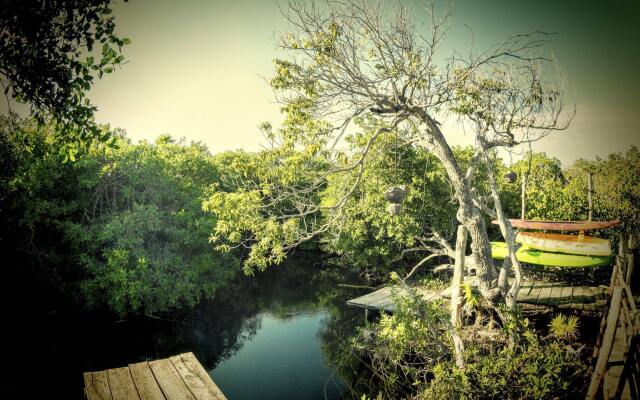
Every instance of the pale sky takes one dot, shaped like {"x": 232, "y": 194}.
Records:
{"x": 197, "y": 69}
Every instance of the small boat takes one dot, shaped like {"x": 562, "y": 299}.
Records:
{"x": 560, "y": 243}
{"x": 532, "y": 256}
{"x": 560, "y": 225}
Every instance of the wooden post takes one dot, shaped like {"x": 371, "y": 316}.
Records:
{"x": 458, "y": 275}
{"x": 631, "y": 261}
{"x": 590, "y": 195}
{"x": 523, "y": 197}
{"x": 609, "y": 323}
{"x": 607, "y": 343}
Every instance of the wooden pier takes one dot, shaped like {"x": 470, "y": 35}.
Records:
{"x": 555, "y": 294}
{"x": 177, "y": 377}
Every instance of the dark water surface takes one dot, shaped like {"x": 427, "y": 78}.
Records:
{"x": 275, "y": 336}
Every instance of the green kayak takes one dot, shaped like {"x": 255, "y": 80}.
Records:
{"x": 538, "y": 257}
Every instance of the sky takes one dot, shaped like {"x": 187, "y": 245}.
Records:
{"x": 198, "y": 69}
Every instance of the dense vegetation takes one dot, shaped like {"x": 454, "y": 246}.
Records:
{"x": 149, "y": 228}
{"x": 121, "y": 227}
{"x": 128, "y": 221}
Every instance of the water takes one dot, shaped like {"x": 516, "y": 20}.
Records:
{"x": 276, "y": 336}
{"x": 284, "y": 360}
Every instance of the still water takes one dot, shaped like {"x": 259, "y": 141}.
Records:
{"x": 278, "y": 335}
{"x": 284, "y": 360}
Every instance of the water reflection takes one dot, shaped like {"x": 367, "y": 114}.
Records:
{"x": 277, "y": 336}
{"x": 283, "y": 361}
{"x": 295, "y": 312}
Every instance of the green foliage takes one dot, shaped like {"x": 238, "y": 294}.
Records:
{"x": 402, "y": 349}
{"x": 259, "y": 208}
{"x": 366, "y": 235}
{"x": 564, "y": 327}
{"x": 50, "y": 53}
{"x": 554, "y": 193}
{"x": 123, "y": 226}
{"x": 531, "y": 370}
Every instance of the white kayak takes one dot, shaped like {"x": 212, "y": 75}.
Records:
{"x": 569, "y": 244}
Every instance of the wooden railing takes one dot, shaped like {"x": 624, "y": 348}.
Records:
{"x": 615, "y": 373}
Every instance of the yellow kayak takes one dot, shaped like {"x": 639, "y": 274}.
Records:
{"x": 569, "y": 244}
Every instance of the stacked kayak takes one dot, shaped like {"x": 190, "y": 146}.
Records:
{"x": 539, "y": 257}
{"x": 559, "y": 250}
{"x": 570, "y": 244}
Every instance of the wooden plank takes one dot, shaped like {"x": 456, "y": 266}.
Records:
{"x": 591, "y": 294}
{"x": 89, "y": 391}
{"x": 578, "y": 295}
{"x": 545, "y": 293}
{"x": 567, "y": 295}
{"x": 534, "y": 294}
{"x": 145, "y": 382}
{"x": 197, "y": 379}
{"x": 556, "y": 295}
{"x": 371, "y": 300}
{"x": 100, "y": 387}
{"x": 525, "y": 289}
{"x": 169, "y": 380}
{"x": 121, "y": 384}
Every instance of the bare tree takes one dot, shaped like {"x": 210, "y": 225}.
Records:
{"x": 355, "y": 59}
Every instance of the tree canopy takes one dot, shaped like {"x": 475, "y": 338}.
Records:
{"x": 358, "y": 80}
{"x": 50, "y": 54}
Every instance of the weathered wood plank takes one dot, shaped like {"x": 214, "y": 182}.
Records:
{"x": 555, "y": 295}
{"x": 90, "y": 391}
{"x": 558, "y": 294}
{"x": 545, "y": 293}
{"x": 566, "y": 296}
{"x": 197, "y": 379}
{"x": 145, "y": 381}
{"x": 100, "y": 386}
{"x": 525, "y": 289}
{"x": 534, "y": 294}
{"x": 169, "y": 379}
{"x": 579, "y": 294}
{"x": 121, "y": 384}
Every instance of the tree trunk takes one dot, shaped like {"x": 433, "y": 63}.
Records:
{"x": 468, "y": 215}
{"x": 509, "y": 236}
{"x": 458, "y": 275}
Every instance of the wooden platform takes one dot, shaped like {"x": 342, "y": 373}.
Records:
{"x": 556, "y": 294}
{"x": 177, "y": 377}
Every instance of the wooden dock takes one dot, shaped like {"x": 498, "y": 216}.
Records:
{"x": 555, "y": 294}
{"x": 177, "y": 377}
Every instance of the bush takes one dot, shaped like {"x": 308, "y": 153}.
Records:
{"x": 532, "y": 370}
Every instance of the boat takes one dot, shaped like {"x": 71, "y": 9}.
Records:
{"x": 538, "y": 257}
{"x": 560, "y": 225}
{"x": 561, "y": 243}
